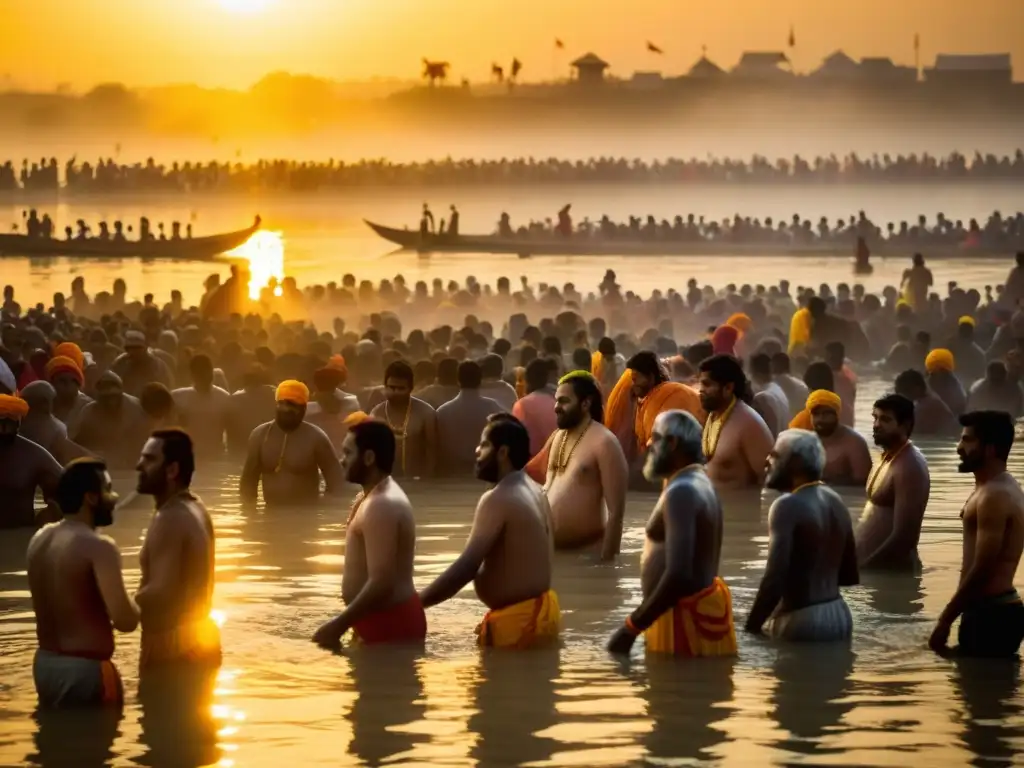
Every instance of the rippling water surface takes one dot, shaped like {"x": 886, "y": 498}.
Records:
{"x": 279, "y": 701}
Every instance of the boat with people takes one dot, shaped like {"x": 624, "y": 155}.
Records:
{"x": 147, "y": 246}
{"x": 594, "y": 244}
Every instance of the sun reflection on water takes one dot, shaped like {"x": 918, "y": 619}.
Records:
{"x": 265, "y": 253}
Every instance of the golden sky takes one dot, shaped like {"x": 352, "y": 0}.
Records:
{"x": 219, "y": 43}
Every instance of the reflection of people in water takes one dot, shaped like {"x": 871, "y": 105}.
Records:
{"x": 74, "y": 738}
{"x": 988, "y": 689}
{"x": 810, "y": 698}
{"x": 178, "y": 726}
{"x": 515, "y": 704}
{"x": 389, "y": 697}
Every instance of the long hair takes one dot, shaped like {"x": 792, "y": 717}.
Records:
{"x": 584, "y": 386}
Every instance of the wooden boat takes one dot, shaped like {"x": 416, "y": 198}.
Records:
{"x": 182, "y": 249}
{"x": 525, "y": 246}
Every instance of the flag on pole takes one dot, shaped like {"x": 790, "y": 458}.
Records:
{"x": 792, "y": 37}
{"x": 653, "y": 48}
{"x": 917, "y": 41}
{"x": 559, "y": 43}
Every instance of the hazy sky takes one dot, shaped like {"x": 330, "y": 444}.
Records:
{"x": 150, "y": 42}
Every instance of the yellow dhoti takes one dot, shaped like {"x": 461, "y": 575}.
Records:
{"x": 522, "y": 625}
{"x": 698, "y": 625}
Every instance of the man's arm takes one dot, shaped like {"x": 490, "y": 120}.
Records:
{"x": 165, "y": 544}
{"x": 780, "y": 548}
{"x": 756, "y": 447}
{"x": 911, "y": 488}
{"x": 679, "y": 513}
{"x": 849, "y": 571}
{"x": 993, "y": 512}
{"x": 249, "y": 484}
{"x": 611, "y": 465}
{"x": 860, "y": 462}
{"x": 329, "y": 465}
{"x": 106, "y": 568}
{"x": 488, "y": 523}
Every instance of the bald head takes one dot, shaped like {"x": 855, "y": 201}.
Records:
{"x": 798, "y": 457}
{"x": 39, "y": 394}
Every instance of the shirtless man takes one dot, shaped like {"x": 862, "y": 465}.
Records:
{"x": 331, "y": 405}
{"x": 43, "y": 428}
{"x": 202, "y": 408}
{"x": 736, "y": 439}
{"x": 412, "y": 420}
{"x": 289, "y": 455}
{"x": 78, "y": 594}
{"x": 897, "y": 491}
{"x": 990, "y": 610}
{"x": 24, "y": 467}
{"x": 251, "y": 406}
{"x": 811, "y": 548}
{"x": 176, "y": 560}
{"x": 381, "y": 602}
{"x": 509, "y": 552}
{"x": 583, "y": 470}
{"x": 114, "y": 426}
{"x": 67, "y": 380}
{"x": 847, "y": 456}
{"x": 682, "y": 552}
{"x": 932, "y": 416}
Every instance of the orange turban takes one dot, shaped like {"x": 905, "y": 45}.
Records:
{"x": 940, "y": 360}
{"x": 61, "y": 364}
{"x": 740, "y": 321}
{"x": 355, "y": 418}
{"x": 337, "y": 363}
{"x": 723, "y": 340}
{"x": 12, "y": 407}
{"x": 71, "y": 350}
{"x": 292, "y": 391}
{"x": 822, "y": 398}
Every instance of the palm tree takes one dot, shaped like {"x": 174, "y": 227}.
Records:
{"x": 435, "y": 71}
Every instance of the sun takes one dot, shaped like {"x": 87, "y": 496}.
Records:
{"x": 245, "y": 6}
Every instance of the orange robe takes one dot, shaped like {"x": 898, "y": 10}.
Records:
{"x": 633, "y": 422}
{"x": 698, "y": 625}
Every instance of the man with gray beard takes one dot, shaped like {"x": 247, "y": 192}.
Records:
{"x": 811, "y": 548}
{"x": 687, "y": 608}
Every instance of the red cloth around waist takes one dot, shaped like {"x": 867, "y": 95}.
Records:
{"x": 402, "y": 623}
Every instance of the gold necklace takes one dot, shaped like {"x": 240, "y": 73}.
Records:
{"x": 806, "y": 485}
{"x": 713, "y": 431}
{"x": 400, "y": 436}
{"x": 284, "y": 447}
{"x": 561, "y": 460}
{"x": 877, "y": 470}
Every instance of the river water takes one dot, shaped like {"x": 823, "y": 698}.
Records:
{"x": 279, "y": 700}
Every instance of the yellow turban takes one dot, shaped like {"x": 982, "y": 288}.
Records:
{"x": 70, "y": 350}
{"x": 822, "y": 398}
{"x": 799, "y": 329}
{"x": 12, "y": 407}
{"x": 903, "y": 303}
{"x": 293, "y": 391}
{"x": 939, "y": 360}
{"x": 740, "y": 322}
{"x": 355, "y": 418}
{"x": 966, "y": 320}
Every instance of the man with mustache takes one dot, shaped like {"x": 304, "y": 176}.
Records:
{"x": 811, "y": 549}
{"x": 412, "y": 420}
{"x": 583, "y": 470}
{"x": 897, "y": 491}
{"x": 24, "y": 467}
{"x": 990, "y": 610}
{"x": 78, "y": 594}
{"x": 176, "y": 560}
{"x": 288, "y": 455}
{"x": 687, "y": 608}
{"x": 509, "y": 552}
{"x": 381, "y": 602}
{"x": 847, "y": 456}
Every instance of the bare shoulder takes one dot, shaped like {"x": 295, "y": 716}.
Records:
{"x": 912, "y": 464}
{"x": 314, "y": 432}
{"x": 378, "y": 409}
{"x": 421, "y": 406}
{"x": 1004, "y": 495}
{"x": 392, "y": 502}
{"x": 603, "y": 437}
{"x": 260, "y": 432}
{"x": 41, "y": 537}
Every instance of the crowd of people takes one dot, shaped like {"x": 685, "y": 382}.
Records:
{"x": 108, "y": 175}
{"x": 561, "y": 403}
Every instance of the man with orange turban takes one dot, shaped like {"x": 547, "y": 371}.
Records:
{"x": 24, "y": 467}
{"x": 71, "y": 350}
{"x": 288, "y": 455}
{"x": 331, "y": 405}
{"x": 642, "y": 393}
{"x": 67, "y": 379}
{"x": 942, "y": 380}
{"x": 847, "y": 455}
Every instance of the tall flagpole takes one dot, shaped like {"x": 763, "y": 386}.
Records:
{"x": 917, "y": 55}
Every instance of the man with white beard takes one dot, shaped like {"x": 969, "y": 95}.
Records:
{"x": 687, "y": 608}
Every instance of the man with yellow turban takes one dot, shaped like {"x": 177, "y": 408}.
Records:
{"x": 970, "y": 358}
{"x": 642, "y": 393}
{"x": 942, "y": 380}
{"x": 847, "y": 455}
{"x": 24, "y": 467}
{"x": 288, "y": 455}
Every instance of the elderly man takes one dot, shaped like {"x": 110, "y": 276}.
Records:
{"x": 24, "y": 467}
{"x": 66, "y": 376}
{"x": 811, "y": 548}
{"x": 287, "y": 455}
{"x": 687, "y": 608}
{"x": 847, "y": 456}
{"x": 43, "y": 428}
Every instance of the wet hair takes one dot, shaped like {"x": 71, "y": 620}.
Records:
{"x": 726, "y": 369}
{"x": 806, "y": 446}
{"x": 910, "y": 381}
{"x": 537, "y": 375}
{"x": 585, "y": 386}
{"x": 200, "y": 365}
{"x": 996, "y": 372}
{"x": 501, "y": 347}
{"x": 79, "y": 477}
{"x": 646, "y": 363}
{"x": 527, "y": 354}
{"x": 697, "y": 353}
{"x": 156, "y": 400}
{"x": 686, "y": 430}
{"x": 606, "y": 347}
{"x": 401, "y": 370}
{"x": 780, "y": 363}
{"x": 374, "y": 435}
{"x": 470, "y": 376}
{"x": 900, "y": 407}
{"x": 492, "y": 366}
{"x": 761, "y": 365}
{"x": 581, "y": 359}
{"x": 551, "y": 345}
{"x": 177, "y": 449}
{"x": 835, "y": 350}
{"x": 992, "y": 428}
{"x": 504, "y": 429}
{"x": 819, "y": 375}
{"x": 448, "y": 371}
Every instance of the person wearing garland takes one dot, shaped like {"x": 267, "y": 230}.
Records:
{"x": 736, "y": 441}
{"x": 812, "y": 552}
{"x": 413, "y": 421}
{"x": 897, "y": 491}
{"x": 583, "y": 470}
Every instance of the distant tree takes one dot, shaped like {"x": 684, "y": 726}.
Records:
{"x": 435, "y": 71}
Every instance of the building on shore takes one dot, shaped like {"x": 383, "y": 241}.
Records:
{"x": 590, "y": 69}
{"x": 763, "y": 65}
{"x": 973, "y": 71}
